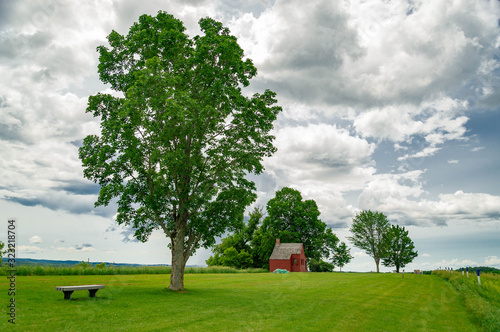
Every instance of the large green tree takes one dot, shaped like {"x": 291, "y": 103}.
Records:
{"x": 178, "y": 137}
{"x": 368, "y": 233}
{"x": 294, "y": 220}
{"x": 400, "y": 249}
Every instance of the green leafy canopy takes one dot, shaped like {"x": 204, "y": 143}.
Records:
{"x": 368, "y": 233}
{"x": 176, "y": 146}
{"x": 294, "y": 220}
{"x": 400, "y": 248}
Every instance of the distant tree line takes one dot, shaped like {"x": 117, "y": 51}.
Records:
{"x": 294, "y": 220}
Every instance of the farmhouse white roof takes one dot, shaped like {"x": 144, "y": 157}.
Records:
{"x": 285, "y": 250}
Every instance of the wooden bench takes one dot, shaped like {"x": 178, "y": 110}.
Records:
{"x": 68, "y": 290}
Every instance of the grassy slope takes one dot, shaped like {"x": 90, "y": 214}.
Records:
{"x": 300, "y": 301}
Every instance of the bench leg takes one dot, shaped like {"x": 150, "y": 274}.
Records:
{"x": 92, "y": 292}
{"x": 67, "y": 295}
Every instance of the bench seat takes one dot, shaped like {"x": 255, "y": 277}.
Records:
{"x": 68, "y": 290}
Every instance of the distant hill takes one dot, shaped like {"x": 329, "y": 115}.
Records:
{"x": 48, "y": 262}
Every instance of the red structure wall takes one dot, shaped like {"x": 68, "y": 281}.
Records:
{"x": 280, "y": 264}
{"x": 296, "y": 263}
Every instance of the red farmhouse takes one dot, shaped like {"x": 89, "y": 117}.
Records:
{"x": 288, "y": 256}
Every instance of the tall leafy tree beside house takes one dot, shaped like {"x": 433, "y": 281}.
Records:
{"x": 178, "y": 137}
{"x": 289, "y": 218}
{"x": 400, "y": 249}
{"x": 369, "y": 229}
{"x": 294, "y": 220}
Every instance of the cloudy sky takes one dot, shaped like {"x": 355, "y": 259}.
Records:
{"x": 387, "y": 105}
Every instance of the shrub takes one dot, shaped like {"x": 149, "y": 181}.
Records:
{"x": 318, "y": 265}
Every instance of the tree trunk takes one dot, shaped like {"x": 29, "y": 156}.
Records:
{"x": 377, "y": 261}
{"x": 397, "y": 269}
{"x": 178, "y": 262}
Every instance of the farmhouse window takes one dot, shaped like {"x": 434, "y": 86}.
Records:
{"x": 295, "y": 261}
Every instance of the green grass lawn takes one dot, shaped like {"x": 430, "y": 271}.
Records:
{"x": 241, "y": 302}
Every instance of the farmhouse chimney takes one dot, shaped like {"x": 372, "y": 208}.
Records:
{"x": 277, "y": 242}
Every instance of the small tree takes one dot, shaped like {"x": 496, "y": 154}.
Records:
{"x": 368, "y": 233}
{"x": 341, "y": 256}
{"x": 400, "y": 248}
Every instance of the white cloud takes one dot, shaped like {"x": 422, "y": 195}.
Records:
{"x": 386, "y": 191}
{"x": 393, "y": 63}
{"x": 492, "y": 261}
{"x": 453, "y": 161}
{"x": 75, "y": 249}
{"x": 358, "y": 52}
{"x": 29, "y": 250}
{"x": 466, "y": 206}
{"x": 436, "y": 122}
{"x": 320, "y": 153}
{"x": 455, "y": 263}
{"x": 400, "y": 197}
{"x": 358, "y": 254}
{"x": 35, "y": 239}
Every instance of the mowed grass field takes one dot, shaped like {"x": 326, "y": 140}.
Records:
{"x": 240, "y": 302}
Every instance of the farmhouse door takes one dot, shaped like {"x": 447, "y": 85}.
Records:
{"x": 295, "y": 264}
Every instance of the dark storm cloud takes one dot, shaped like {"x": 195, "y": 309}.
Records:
{"x": 78, "y": 143}
{"x": 6, "y": 9}
{"x": 338, "y": 225}
{"x": 81, "y": 188}
{"x": 25, "y": 201}
{"x": 128, "y": 236}
{"x": 50, "y": 204}
{"x": 83, "y": 246}
{"x": 61, "y": 200}
{"x": 126, "y": 231}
